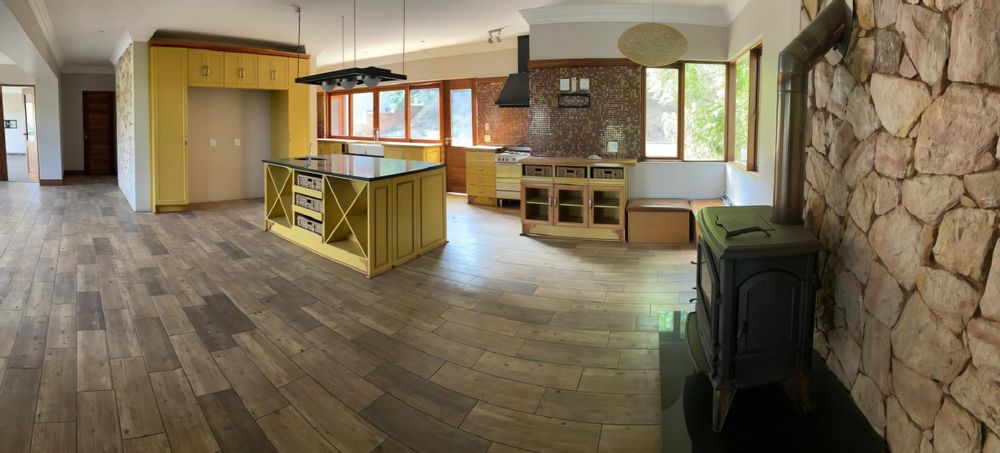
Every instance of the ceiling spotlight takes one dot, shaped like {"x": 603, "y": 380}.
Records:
{"x": 329, "y": 85}
{"x": 349, "y": 83}
{"x": 371, "y": 81}
{"x": 494, "y": 35}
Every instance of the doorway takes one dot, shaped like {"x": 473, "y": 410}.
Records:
{"x": 460, "y": 128}
{"x": 20, "y": 138}
{"x": 100, "y": 149}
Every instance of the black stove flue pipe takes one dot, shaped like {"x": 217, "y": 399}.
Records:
{"x": 831, "y": 29}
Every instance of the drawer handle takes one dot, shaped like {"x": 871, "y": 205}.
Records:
{"x": 204, "y": 70}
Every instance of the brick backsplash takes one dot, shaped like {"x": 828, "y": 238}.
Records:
{"x": 508, "y": 126}
{"x": 615, "y": 112}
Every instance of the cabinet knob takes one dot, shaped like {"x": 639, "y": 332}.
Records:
{"x": 204, "y": 70}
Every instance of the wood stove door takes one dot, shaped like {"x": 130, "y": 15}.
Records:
{"x": 769, "y": 323}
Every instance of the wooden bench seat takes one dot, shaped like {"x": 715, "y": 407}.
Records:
{"x": 664, "y": 220}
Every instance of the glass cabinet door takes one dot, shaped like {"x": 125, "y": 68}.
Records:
{"x": 536, "y": 203}
{"x": 607, "y": 206}
{"x": 571, "y": 205}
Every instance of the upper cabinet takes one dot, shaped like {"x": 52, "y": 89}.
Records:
{"x": 272, "y": 72}
{"x": 205, "y": 68}
{"x": 241, "y": 70}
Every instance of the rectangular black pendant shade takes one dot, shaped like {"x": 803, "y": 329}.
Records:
{"x": 384, "y": 75}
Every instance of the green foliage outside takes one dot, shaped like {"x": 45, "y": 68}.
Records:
{"x": 742, "y": 107}
{"x": 704, "y": 111}
{"x": 425, "y": 107}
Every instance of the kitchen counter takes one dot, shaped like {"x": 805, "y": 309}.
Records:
{"x": 351, "y": 166}
{"x": 578, "y": 161}
{"x": 383, "y": 143}
{"x": 368, "y": 213}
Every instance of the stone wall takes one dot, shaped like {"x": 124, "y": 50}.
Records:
{"x": 125, "y": 120}
{"x": 903, "y": 190}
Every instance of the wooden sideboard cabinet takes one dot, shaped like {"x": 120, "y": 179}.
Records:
{"x": 481, "y": 176}
{"x": 574, "y": 198}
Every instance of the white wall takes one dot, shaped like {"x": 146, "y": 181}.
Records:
{"x": 13, "y": 109}
{"x": 483, "y": 64}
{"x": 692, "y": 180}
{"x": 600, "y": 40}
{"x": 774, "y": 23}
{"x": 143, "y": 159}
{"x": 49, "y": 129}
{"x": 71, "y": 88}
{"x": 227, "y": 171}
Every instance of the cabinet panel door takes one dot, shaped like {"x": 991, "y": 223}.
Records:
{"x": 168, "y": 101}
{"x": 300, "y": 139}
{"x": 607, "y": 207}
{"x": 197, "y": 67}
{"x": 406, "y": 206}
{"x": 248, "y": 63}
{"x": 215, "y": 61}
{"x": 233, "y": 66}
{"x": 536, "y": 204}
{"x": 280, "y": 67}
{"x": 432, "y": 208}
{"x": 265, "y": 77}
{"x": 571, "y": 205}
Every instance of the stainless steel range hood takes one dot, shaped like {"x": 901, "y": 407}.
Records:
{"x": 516, "y": 91}
{"x": 830, "y": 30}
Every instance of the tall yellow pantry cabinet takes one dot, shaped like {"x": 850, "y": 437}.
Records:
{"x": 174, "y": 66}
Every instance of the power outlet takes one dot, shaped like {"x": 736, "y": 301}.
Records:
{"x": 236, "y": 142}
{"x": 212, "y": 143}
{"x": 487, "y": 138}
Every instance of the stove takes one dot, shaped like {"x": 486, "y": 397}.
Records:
{"x": 508, "y": 179}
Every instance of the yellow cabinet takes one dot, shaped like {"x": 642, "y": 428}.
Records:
{"x": 241, "y": 70}
{"x": 205, "y": 68}
{"x": 272, "y": 72}
{"x": 168, "y": 73}
{"x": 290, "y": 135}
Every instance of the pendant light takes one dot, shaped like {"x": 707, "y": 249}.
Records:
{"x": 349, "y": 78}
{"x": 653, "y": 44}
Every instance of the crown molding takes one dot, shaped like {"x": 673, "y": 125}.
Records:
{"x": 48, "y": 30}
{"x": 717, "y": 16}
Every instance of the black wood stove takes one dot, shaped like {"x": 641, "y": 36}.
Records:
{"x": 756, "y": 290}
{"x": 757, "y": 264}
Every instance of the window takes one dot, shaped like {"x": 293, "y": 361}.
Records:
{"x": 461, "y": 117}
{"x": 392, "y": 114}
{"x": 363, "y": 115}
{"x": 662, "y": 89}
{"x": 401, "y": 113}
{"x": 337, "y": 116}
{"x": 425, "y": 113}
{"x": 704, "y": 111}
{"x": 744, "y": 91}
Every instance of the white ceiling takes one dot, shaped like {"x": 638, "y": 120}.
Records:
{"x": 85, "y": 32}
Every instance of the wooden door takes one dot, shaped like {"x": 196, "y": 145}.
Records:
{"x": 459, "y": 130}
{"x": 99, "y": 144}
{"x": 607, "y": 207}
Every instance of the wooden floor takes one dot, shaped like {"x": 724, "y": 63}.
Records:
{"x": 199, "y": 332}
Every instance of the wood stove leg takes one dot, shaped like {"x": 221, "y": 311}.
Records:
{"x": 722, "y": 401}
{"x": 801, "y": 383}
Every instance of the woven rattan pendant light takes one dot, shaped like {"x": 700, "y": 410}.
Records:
{"x": 653, "y": 44}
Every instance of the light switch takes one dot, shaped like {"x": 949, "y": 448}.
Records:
{"x": 487, "y": 127}
{"x": 236, "y": 142}
{"x": 612, "y": 147}
{"x": 211, "y": 143}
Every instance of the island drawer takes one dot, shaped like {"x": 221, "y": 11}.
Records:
{"x": 309, "y": 224}
{"x": 308, "y": 181}
{"x": 308, "y": 202}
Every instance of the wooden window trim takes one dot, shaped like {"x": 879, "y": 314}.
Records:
{"x": 755, "y": 54}
{"x": 681, "y": 113}
{"x": 406, "y": 87}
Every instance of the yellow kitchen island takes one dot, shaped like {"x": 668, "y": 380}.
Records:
{"x": 368, "y": 213}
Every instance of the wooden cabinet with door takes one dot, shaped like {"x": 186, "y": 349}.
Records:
{"x": 176, "y": 65}
{"x": 272, "y": 72}
{"x": 205, "y": 68}
{"x": 587, "y": 201}
{"x": 481, "y": 176}
{"x": 240, "y": 70}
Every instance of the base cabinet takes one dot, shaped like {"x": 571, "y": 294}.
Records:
{"x": 569, "y": 201}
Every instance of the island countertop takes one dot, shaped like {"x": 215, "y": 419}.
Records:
{"x": 351, "y": 166}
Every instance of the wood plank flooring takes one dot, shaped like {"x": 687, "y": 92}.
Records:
{"x": 200, "y": 332}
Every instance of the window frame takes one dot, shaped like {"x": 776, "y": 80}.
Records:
{"x": 730, "y": 103}
{"x": 345, "y": 113}
{"x": 376, "y": 136}
{"x": 754, "y": 52}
